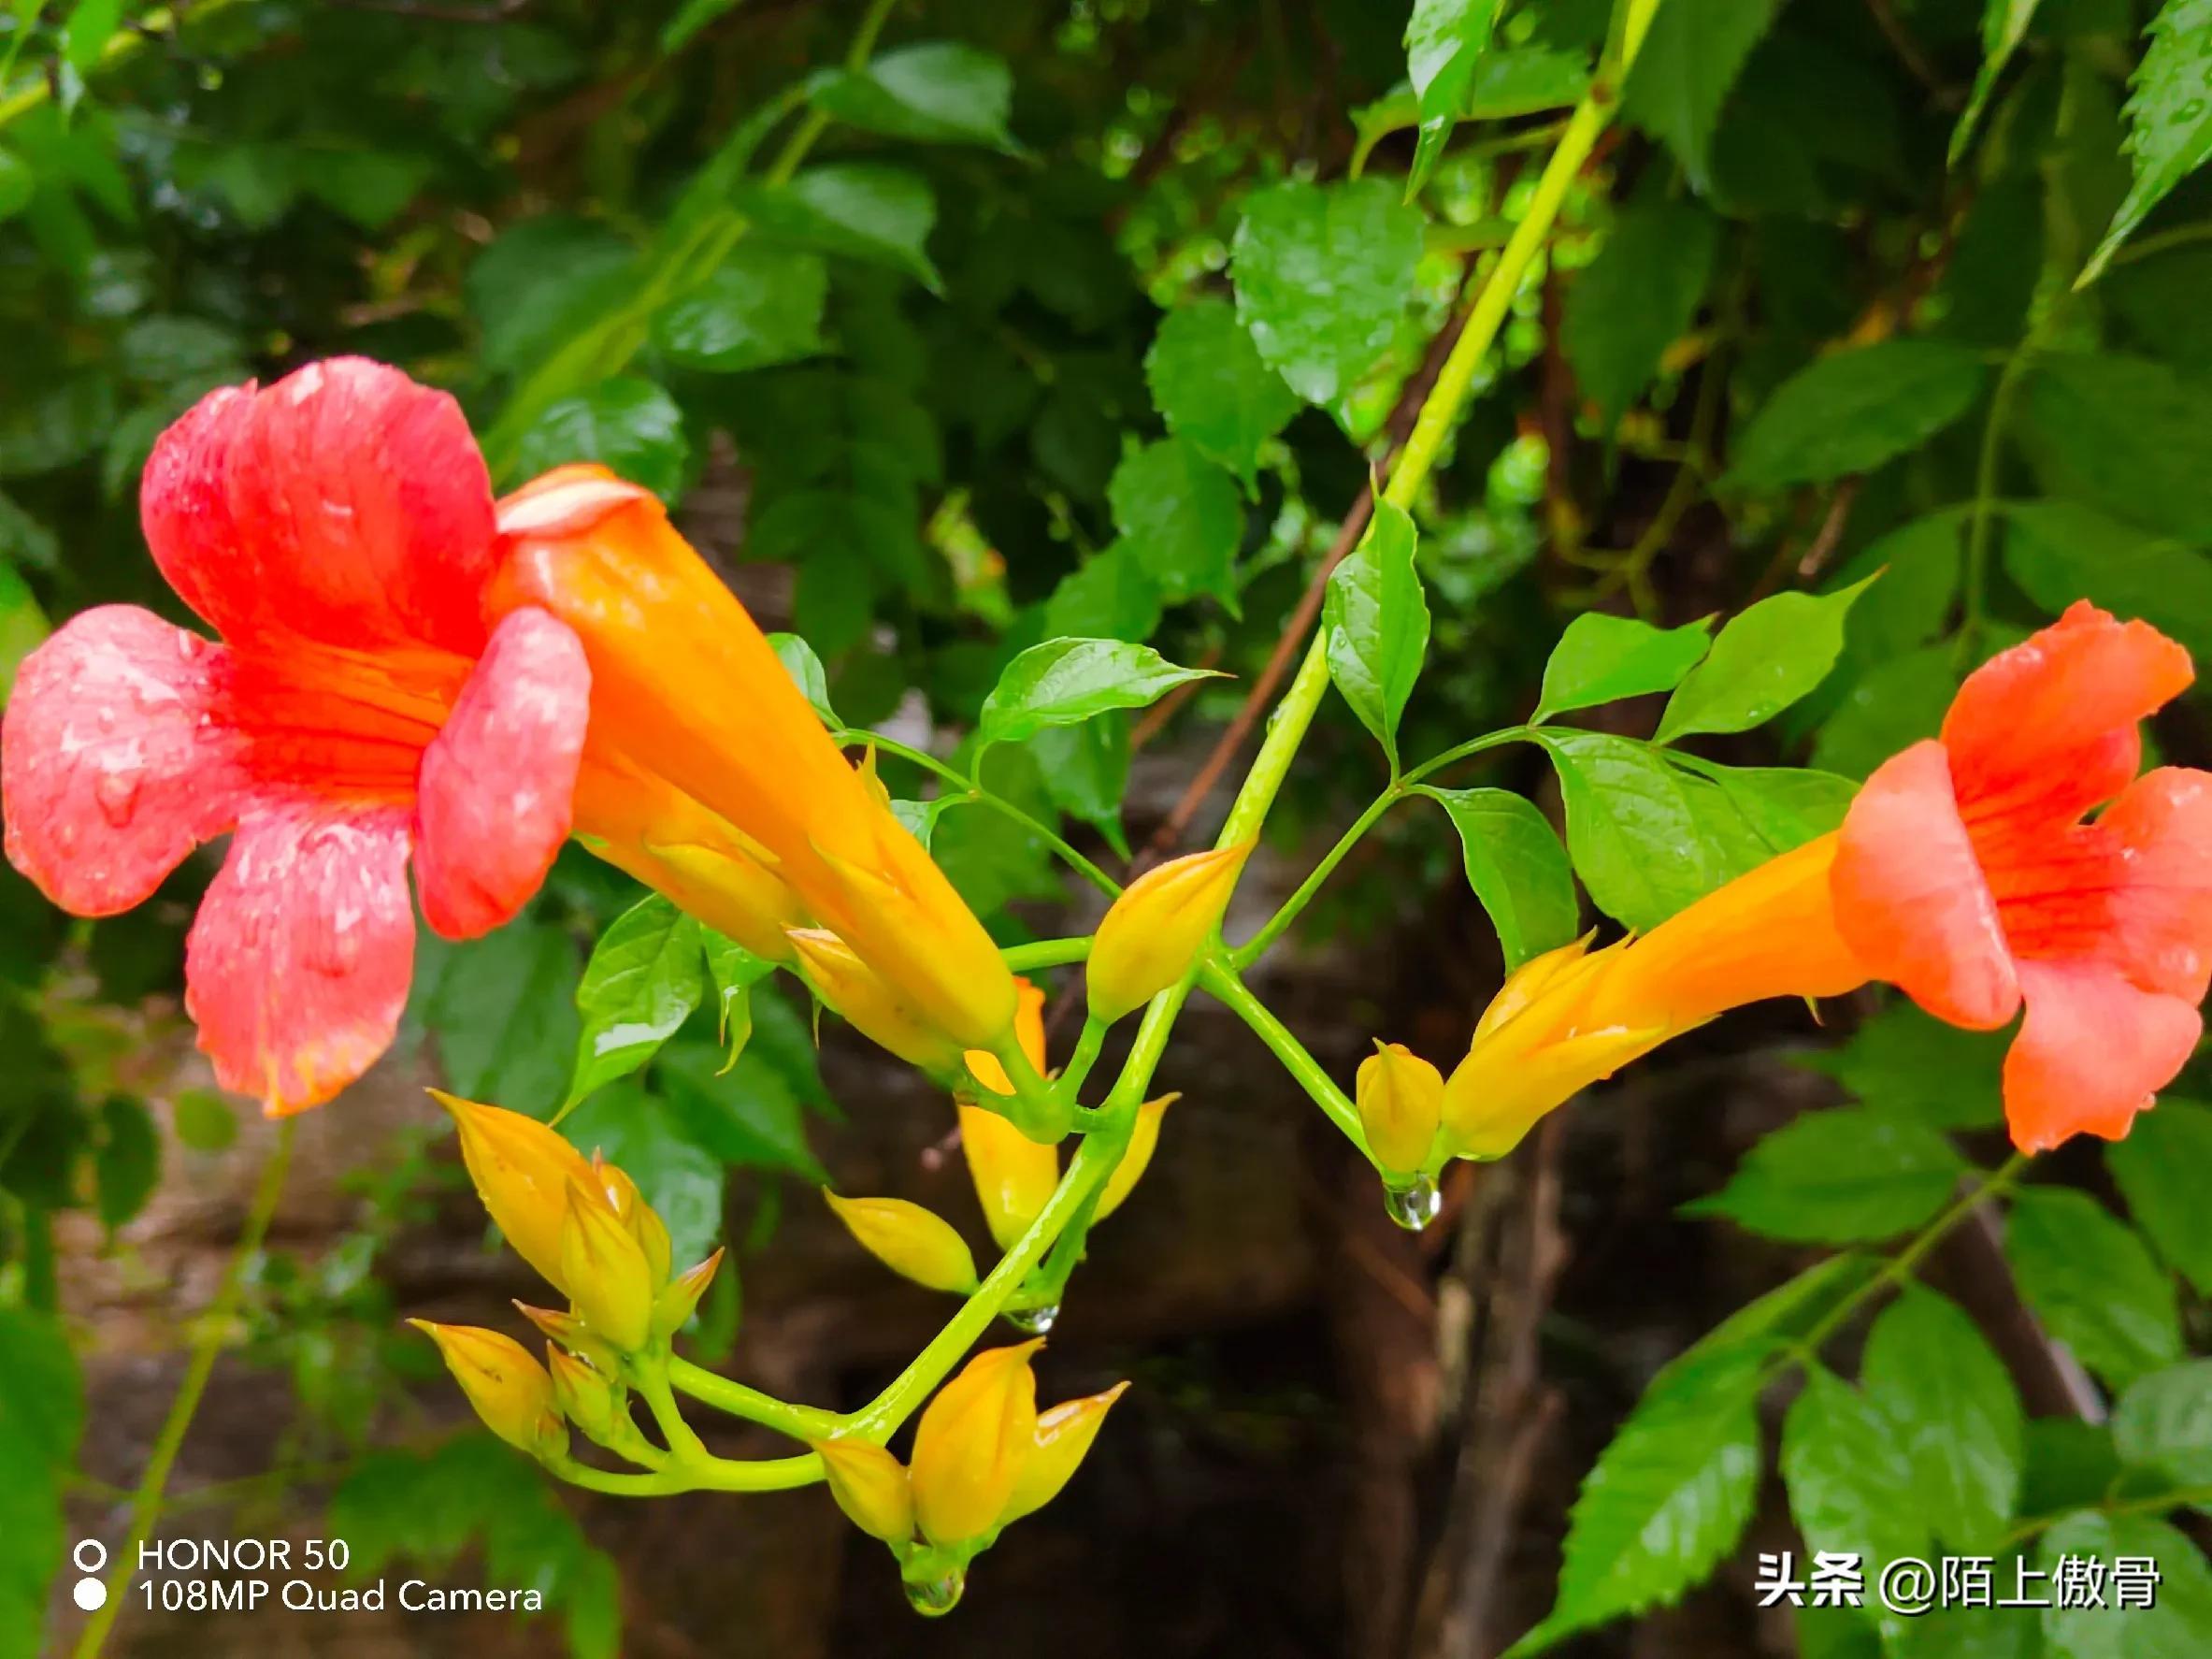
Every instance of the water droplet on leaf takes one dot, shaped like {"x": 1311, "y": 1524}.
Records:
{"x": 1413, "y": 1207}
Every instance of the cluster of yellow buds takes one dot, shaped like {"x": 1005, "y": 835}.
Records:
{"x": 1015, "y": 1177}
{"x": 584, "y": 1225}
{"x": 1547, "y": 1035}
{"x": 1158, "y": 929}
{"x": 983, "y": 1457}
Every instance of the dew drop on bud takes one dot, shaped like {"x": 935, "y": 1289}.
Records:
{"x": 1413, "y": 1207}
{"x": 1036, "y": 1321}
{"x": 935, "y": 1597}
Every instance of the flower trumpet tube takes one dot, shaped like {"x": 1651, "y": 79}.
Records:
{"x": 1965, "y": 873}
{"x": 685, "y": 684}
{"x": 871, "y": 1005}
{"x": 510, "y": 1391}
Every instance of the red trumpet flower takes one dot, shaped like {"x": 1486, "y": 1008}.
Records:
{"x": 337, "y": 530}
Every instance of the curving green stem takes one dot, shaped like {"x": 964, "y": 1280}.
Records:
{"x": 801, "y": 1423}
{"x": 701, "y": 1474}
{"x": 1047, "y": 953}
{"x": 1221, "y": 982}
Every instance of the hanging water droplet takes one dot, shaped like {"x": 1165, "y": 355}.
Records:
{"x": 935, "y": 1597}
{"x": 1036, "y": 1321}
{"x": 117, "y": 794}
{"x": 1413, "y": 1207}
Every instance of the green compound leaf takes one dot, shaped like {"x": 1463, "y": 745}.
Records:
{"x": 1765, "y": 659}
{"x": 1845, "y": 1176}
{"x": 2091, "y": 1282}
{"x": 1517, "y": 867}
{"x": 1213, "y": 390}
{"x": 1063, "y": 682}
{"x": 1323, "y": 274}
{"x": 1601, "y": 658}
{"x": 1377, "y": 618}
{"x": 1854, "y": 410}
{"x": 2169, "y": 118}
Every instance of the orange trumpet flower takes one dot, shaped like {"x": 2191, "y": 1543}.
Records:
{"x": 1965, "y": 874}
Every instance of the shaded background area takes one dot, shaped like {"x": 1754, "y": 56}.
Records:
{"x": 924, "y": 437}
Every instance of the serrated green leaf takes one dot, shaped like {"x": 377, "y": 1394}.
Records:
{"x": 2179, "y": 1622}
{"x": 1601, "y": 658}
{"x": 1212, "y": 387}
{"x": 933, "y": 92}
{"x": 807, "y": 674}
{"x": 1844, "y": 1176}
{"x": 1668, "y": 1499}
{"x": 1445, "y": 40}
{"x": 2123, "y": 434}
{"x": 1856, "y": 410}
{"x": 1690, "y": 62}
{"x": 645, "y": 977}
{"x": 1764, "y": 660}
{"x": 1955, "y": 1416}
{"x": 2062, "y": 551}
{"x": 1783, "y": 807}
{"x": 1323, "y": 274}
{"x": 2169, "y": 118}
{"x": 2004, "y": 26}
{"x": 1180, "y": 517}
{"x": 1632, "y": 831}
{"x": 1910, "y": 1064}
{"x": 1517, "y": 867}
{"x": 2159, "y": 1169}
{"x": 1638, "y": 295}
{"x": 2091, "y": 1280}
{"x": 1063, "y": 682}
{"x": 1845, "y": 1469}
{"x": 2163, "y": 1424}
{"x": 761, "y": 306}
{"x": 859, "y": 211}
{"x": 503, "y": 1011}
{"x": 1377, "y": 616}
{"x": 628, "y": 425}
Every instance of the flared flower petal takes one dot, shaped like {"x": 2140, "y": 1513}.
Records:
{"x": 344, "y": 504}
{"x": 298, "y": 965}
{"x": 1911, "y": 898}
{"x": 112, "y": 759}
{"x": 497, "y": 783}
{"x": 2094, "y": 1051}
{"x": 2042, "y": 733}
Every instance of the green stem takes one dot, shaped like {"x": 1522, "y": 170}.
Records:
{"x": 145, "y": 1502}
{"x": 1223, "y": 985}
{"x": 1900, "y": 1267}
{"x": 2156, "y": 1502}
{"x": 1069, "y": 1084}
{"x": 1046, "y": 953}
{"x": 1286, "y": 730}
{"x": 707, "y": 1474}
{"x": 974, "y": 792}
{"x": 816, "y": 122}
{"x": 800, "y": 1423}
{"x": 1975, "y": 582}
{"x": 685, "y": 1445}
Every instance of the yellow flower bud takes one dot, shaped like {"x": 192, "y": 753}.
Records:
{"x": 972, "y": 1442}
{"x": 568, "y": 1330}
{"x": 1144, "y": 1137}
{"x": 908, "y": 1239}
{"x": 1064, "y": 1436}
{"x": 593, "y": 1402}
{"x": 1029, "y": 1032}
{"x": 1400, "y": 1100}
{"x": 673, "y": 1307}
{"x": 509, "y": 1390}
{"x": 608, "y": 1276}
{"x": 869, "y": 1486}
{"x": 521, "y": 1169}
{"x": 870, "y": 1005}
{"x": 1158, "y": 926}
{"x": 1013, "y": 1175}
{"x": 630, "y": 1207}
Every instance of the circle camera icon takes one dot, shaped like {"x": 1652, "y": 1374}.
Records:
{"x": 94, "y": 1549}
